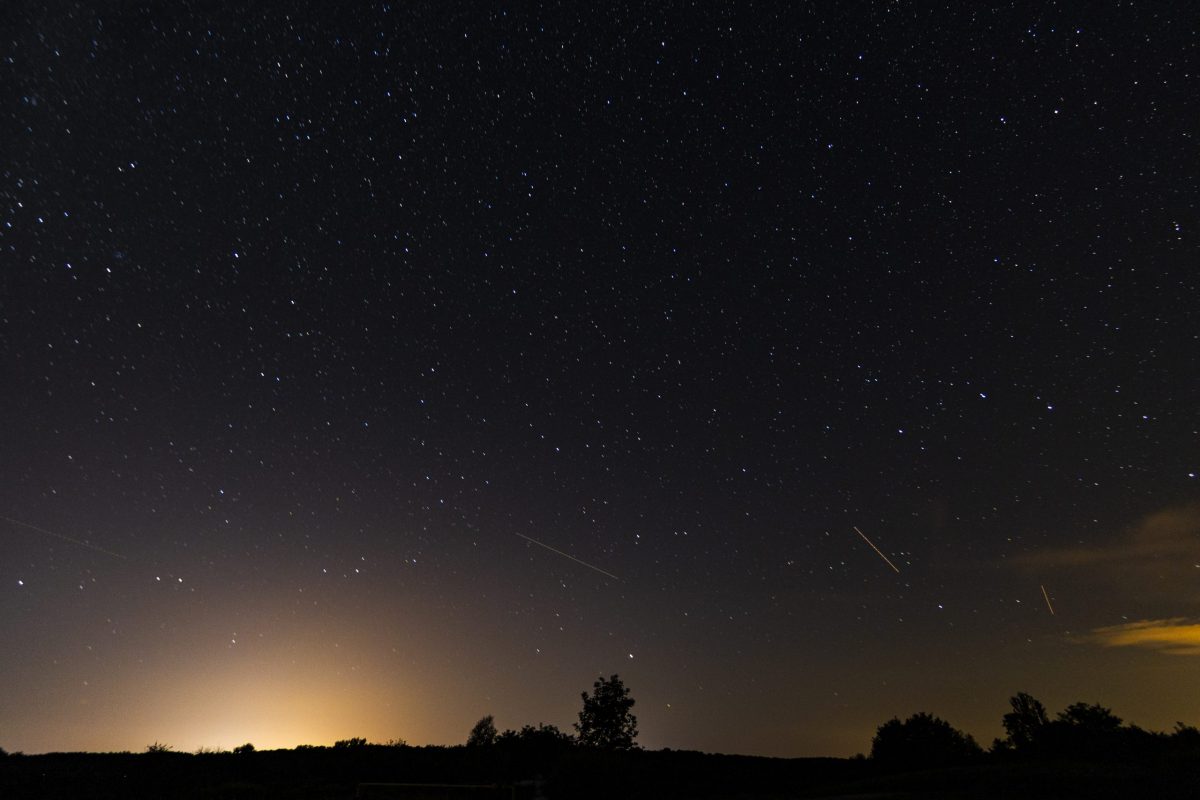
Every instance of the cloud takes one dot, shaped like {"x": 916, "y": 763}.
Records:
{"x": 1176, "y": 636}
{"x": 1153, "y": 565}
{"x": 1169, "y": 535}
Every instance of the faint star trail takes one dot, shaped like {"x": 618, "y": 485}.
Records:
{"x": 567, "y": 555}
{"x": 876, "y": 549}
{"x": 1047, "y": 600}
{"x": 64, "y": 538}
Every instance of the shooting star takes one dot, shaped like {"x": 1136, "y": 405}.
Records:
{"x": 1047, "y": 600}
{"x": 568, "y": 555}
{"x": 876, "y": 549}
{"x": 64, "y": 538}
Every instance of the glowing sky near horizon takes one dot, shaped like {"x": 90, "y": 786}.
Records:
{"x": 347, "y": 360}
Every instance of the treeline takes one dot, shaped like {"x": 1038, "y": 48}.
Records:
{"x": 1081, "y": 731}
{"x": 1083, "y": 751}
{"x": 605, "y": 722}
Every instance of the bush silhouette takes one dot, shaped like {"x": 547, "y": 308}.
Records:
{"x": 606, "y": 720}
{"x": 1093, "y": 718}
{"x": 244, "y": 748}
{"x": 1188, "y": 734}
{"x": 922, "y": 740}
{"x": 1084, "y": 730}
{"x": 542, "y": 737}
{"x": 533, "y": 749}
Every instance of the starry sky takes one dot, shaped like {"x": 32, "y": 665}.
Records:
{"x": 366, "y": 372}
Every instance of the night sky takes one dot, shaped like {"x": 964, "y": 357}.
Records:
{"x": 366, "y": 371}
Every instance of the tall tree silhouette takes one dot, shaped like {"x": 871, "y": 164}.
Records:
{"x": 483, "y": 734}
{"x": 606, "y": 719}
{"x": 1025, "y": 722}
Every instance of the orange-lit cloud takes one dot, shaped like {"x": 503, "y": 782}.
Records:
{"x": 1178, "y": 636}
{"x": 1162, "y": 549}
{"x": 1172, "y": 533}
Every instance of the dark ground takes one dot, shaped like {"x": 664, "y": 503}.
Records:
{"x": 575, "y": 773}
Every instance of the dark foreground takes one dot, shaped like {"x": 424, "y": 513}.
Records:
{"x": 312, "y": 773}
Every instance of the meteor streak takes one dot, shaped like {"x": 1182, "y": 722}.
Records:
{"x": 64, "y": 538}
{"x": 1047, "y": 600}
{"x": 567, "y": 555}
{"x": 876, "y": 549}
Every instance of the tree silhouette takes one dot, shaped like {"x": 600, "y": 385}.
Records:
{"x": 1084, "y": 730}
{"x": 244, "y": 749}
{"x": 606, "y": 720}
{"x": 922, "y": 740}
{"x": 483, "y": 734}
{"x": 1189, "y": 734}
{"x": 542, "y": 735}
{"x": 1093, "y": 718}
{"x": 1025, "y": 722}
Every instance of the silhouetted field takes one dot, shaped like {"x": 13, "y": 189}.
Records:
{"x": 312, "y": 773}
